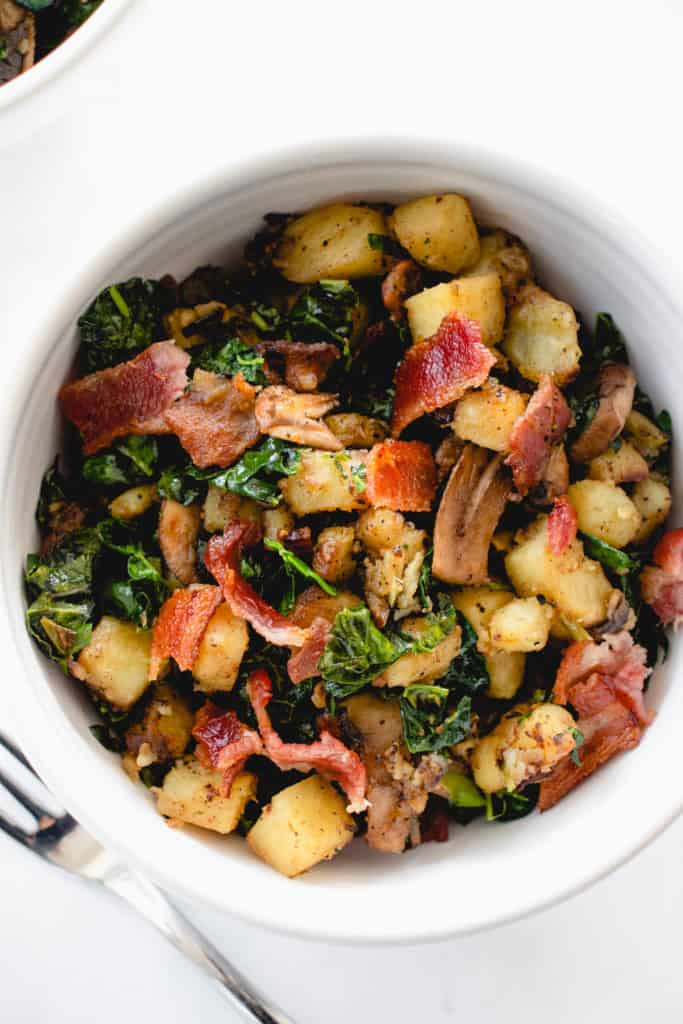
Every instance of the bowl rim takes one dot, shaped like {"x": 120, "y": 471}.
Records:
{"x": 231, "y": 177}
{"x": 20, "y": 89}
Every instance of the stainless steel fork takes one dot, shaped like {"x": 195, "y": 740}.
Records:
{"x": 59, "y": 839}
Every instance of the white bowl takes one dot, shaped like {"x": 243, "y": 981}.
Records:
{"x": 487, "y": 873}
{"x": 36, "y": 96}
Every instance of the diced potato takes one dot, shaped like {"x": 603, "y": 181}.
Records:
{"x": 301, "y": 826}
{"x": 521, "y": 625}
{"x": 277, "y": 519}
{"x": 620, "y": 465}
{"x": 314, "y": 603}
{"x": 506, "y": 256}
{"x": 331, "y": 241}
{"x": 115, "y": 664}
{"x": 221, "y": 650}
{"x": 220, "y": 507}
{"x": 192, "y": 795}
{"x": 377, "y": 720}
{"x": 529, "y": 741}
{"x": 486, "y": 417}
{"x": 476, "y": 298}
{"x": 541, "y": 337}
{"x": 424, "y": 667}
{"x": 183, "y": 316}
{"x": 505, "y": 669}
{"x": 333, "y": 556}
{"x": 438, "y": 231}
{"x": 605, "y": 511}
{"x": 164, "y": 730}
{"x": 356, "y": 431}
{"x": 325, "y": 482}
{"x": 575, "y": 584}
{"x": 396, "y": 551}
{"x": 652, "y": 498}
{"x": 133, "y": 502}
{"x": 178, "y": 534}
{"x": 645, "y": 435}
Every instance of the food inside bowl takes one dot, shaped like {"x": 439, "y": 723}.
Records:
{"x": 30, "y": 29}
{"x": 361, "y": 537}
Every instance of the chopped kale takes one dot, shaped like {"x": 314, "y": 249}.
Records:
{"x": 129, "y": 461}
{"x": 327, "y": 311}
{"x": 428, "y": 725}
{"x": 295, "y": 565}
{"x": 121, "y": 321}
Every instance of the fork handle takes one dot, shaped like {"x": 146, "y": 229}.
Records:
{"x": 153, "y": 905}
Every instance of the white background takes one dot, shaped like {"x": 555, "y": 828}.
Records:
{"x": 589, "y": 90}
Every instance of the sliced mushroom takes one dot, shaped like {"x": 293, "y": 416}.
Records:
{"x": 283, "y": 413}
{"x": 470, "y": 508}
{"x": 306, "y": 364}
{"x": 178, "y": 532}
{"x": 555, "y": 480}
{"x": 619, "y": 616}
{"x": 447, "y": 454}
{"x": 18, "y": 30}
{"x": 616, "y": 385}
{"x": 403, "y": 280}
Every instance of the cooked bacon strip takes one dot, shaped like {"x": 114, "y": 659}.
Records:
{"x": 439, "y": 370}
{"x": 562, "y": 525}
{"x": 180, "y": 626}
{"x": 401, "y": 475}
{"x": 328, "y": 755}
{"x": 662, "y": 583}
{"x": 609, "y": 731}
{"x": 222, "y": 559}
{"x": 130, "y": 398}
{"x": 224, "y": 743}
{"x": 283, "y": 413}
{"x": 304, "y": 663}
{"x": 616, "y": 665}
{"x": 214, "y": 421}
{"x": 540, "y": 426}
{"x": 306, "y": 363}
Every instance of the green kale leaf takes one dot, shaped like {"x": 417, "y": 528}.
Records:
{"x": 130, "y": 460}
{"x": 329, "y": 311}
{"x": 428, "y": 726}
{"x": 61, "y": 628}
{"x": 257, "y": 473}
{"x": 141, "y": 593}
{"x": 296, "y": 565}
{"x": 467, "y": 672}
{"x": 53, "y": 495}
{"x": 612, "y": 558}
{"x": 78, "y": 11}
{"x": 230, "y": 357}
{"x": 121, "y": 321}
{"x": 68, "y": 567}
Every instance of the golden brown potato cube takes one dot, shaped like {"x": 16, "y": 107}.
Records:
{"x": 377, "y": 720}
{"x": 221, "y": 650}
{"x": 620, "y": 465}
{"x": 575, "y": 584}
{"x": 521, "y": 625}
{"x": 301, "y": 826}
{"x": 115, "y": 664}
{"x": 505, "y": 669}
{"x": 178, "y": 533}
{"x": 506, "y": 256}
{"x": 333, "y": 556}
{"x": 133, "y": 502}
{"x": 426, "y": 666}
{"x": 164, "y": 730}
{"x": 183, "y": 316}
{"x": 326, "y": 482}
{"x": 476, "y": 298}
{"x": 356, "y": 431}
{"x": 331, "y": 242}
{"x": 645, "y": 435}
{"x": 605, "y": 511}
{"x": 276, "y": 520}
{"x": 541, "y": 336}
{"x": 529, "y": 741}
{"x": 652, "y": 498}
{"x": 221, "y": 507}
{"x": 486, "y": 417}
{"x": 193, "y": 795}
{"x": 438, "y": 231}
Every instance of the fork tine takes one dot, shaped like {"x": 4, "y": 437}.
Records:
{"x": 11, "y": 748}
{"x": 13, "y": 786}
{"x": 15, "y": 831}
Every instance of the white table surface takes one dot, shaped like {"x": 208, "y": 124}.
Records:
{"x": 589, "y": 90}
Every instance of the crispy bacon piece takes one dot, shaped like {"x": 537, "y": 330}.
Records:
{"x": 306, "y": 363}
{"x": 328, "y": 755}
{"x": 401, "y": 475}
{"x": 562, "y": 525}
{"x": 180, "y": 626}
{"x": 130, "y": 398}
{"x": 434, "y": 824}
{"x": 540, "y": 426}
{"x": 662, "y": 583}
{"x": 439, "y": 370}
{"x": 304, "y": 663}
{"x": 607, "y": 732}
{"x": 616, "y": 665}
{"x": 222, "y": 559}
{"x": 224, "y": 743}
{"x": 283, "y": 413}
{"x": 403, "y": 280}
{"x": 214, "y": 421}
